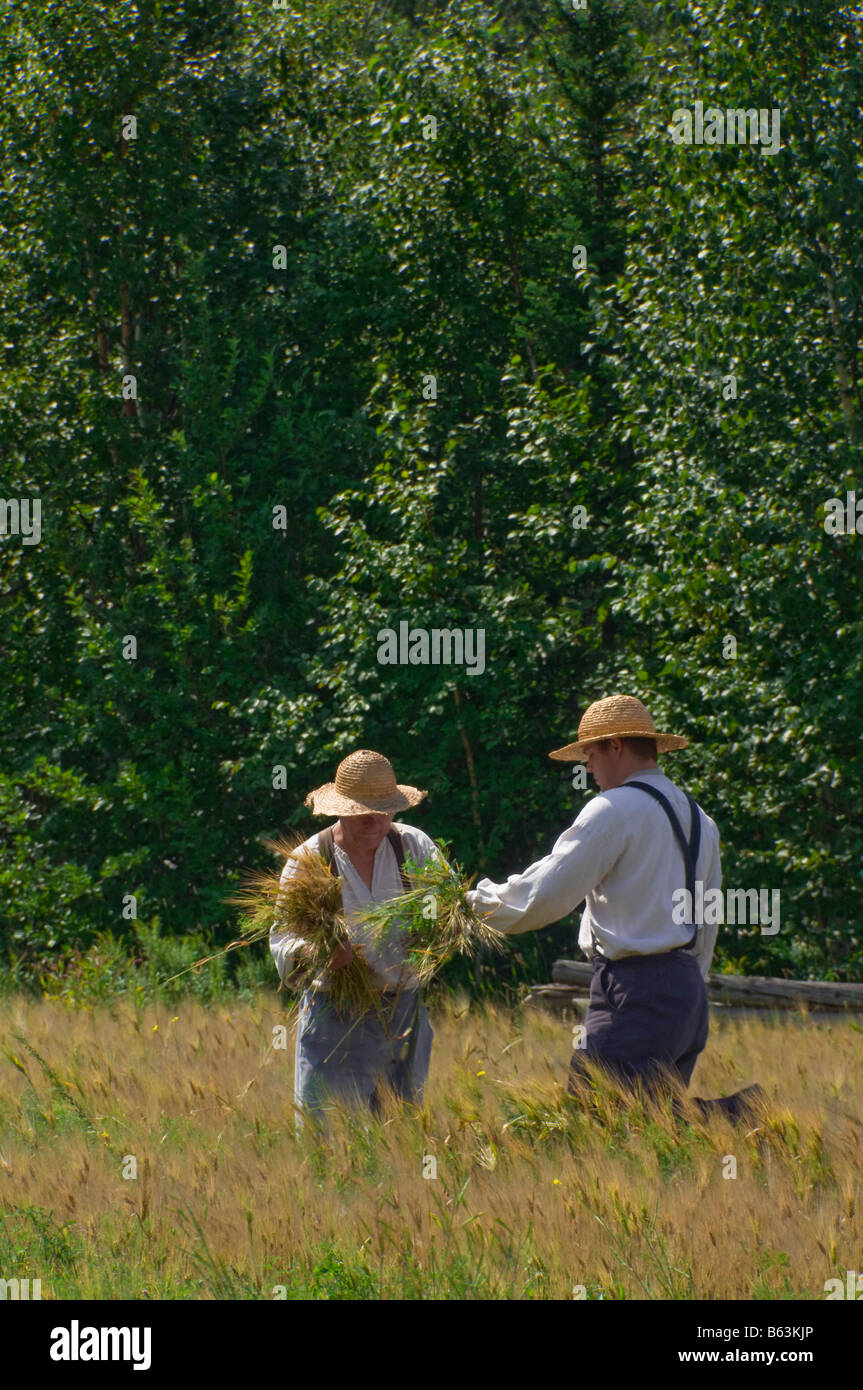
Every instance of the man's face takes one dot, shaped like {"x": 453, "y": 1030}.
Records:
{"x": 366, "y": 832}
{"x": 602, "y": 763}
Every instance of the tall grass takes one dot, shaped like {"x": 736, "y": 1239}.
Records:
{"x": 534, "y": 1196}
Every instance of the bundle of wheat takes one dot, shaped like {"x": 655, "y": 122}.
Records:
{"x": 307, "y": 904}
{"x": 433, "y": 919}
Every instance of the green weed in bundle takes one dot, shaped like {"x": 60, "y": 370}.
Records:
{"x": 433, "y": 919}
{"x": 307, "y": 905}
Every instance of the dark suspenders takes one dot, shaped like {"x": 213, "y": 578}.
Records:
{"x": 327, "y": 851}
{"x": 690, "y": 849}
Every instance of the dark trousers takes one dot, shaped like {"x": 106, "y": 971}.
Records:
{"x": 647, "y": 1020}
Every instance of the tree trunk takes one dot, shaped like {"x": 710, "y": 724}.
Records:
{"x": 471, "y": 772}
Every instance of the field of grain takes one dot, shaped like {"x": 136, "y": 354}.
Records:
{"x": 151, "y": 1152}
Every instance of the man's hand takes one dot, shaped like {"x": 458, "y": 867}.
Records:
{"x": 343, "y": 956}
{"x": 297, "y": 975}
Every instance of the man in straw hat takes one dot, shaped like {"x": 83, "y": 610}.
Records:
{"x": 627, "y": 852}
{"x": 353, "y": 1060}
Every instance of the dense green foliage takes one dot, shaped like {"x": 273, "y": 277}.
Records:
{"x": 283, "y": 486}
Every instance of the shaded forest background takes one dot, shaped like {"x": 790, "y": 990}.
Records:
{"x": 282, "y": 487}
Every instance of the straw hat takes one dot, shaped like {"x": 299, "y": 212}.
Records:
{"x": 618, "y": 716}
{"x": 365, "y": 782}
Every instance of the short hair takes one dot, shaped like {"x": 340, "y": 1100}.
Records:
{"x": 641, "y": 747}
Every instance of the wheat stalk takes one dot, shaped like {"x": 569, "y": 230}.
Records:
{"x": 434, "y": 918}
{"x": 308, "y": 904}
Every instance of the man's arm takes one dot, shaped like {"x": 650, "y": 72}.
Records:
{"x": 285, "y": 948}
{"x": 707, "y": 934}
{"x": 553, "y": 886}
{"x": 285, "y": 951}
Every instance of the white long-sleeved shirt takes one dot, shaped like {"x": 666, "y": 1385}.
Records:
{"x": 622, "y": 858}
{"x": 386, "y": 959}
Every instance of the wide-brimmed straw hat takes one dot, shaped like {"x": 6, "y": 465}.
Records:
{"x": 618, "y": 716}
{"x": 365, "y": 782}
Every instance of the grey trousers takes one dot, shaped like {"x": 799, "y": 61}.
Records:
{"x": 351, "y": 1060}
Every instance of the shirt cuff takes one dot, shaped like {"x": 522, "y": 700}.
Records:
{"x": 486, "y": 903}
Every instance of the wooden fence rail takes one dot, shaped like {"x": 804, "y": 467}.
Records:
{"x": 571, "y": 979}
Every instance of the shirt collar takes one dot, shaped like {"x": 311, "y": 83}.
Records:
{"x": 345, "y": 854}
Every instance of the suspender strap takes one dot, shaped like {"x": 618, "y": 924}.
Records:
{"x": 327, "y": 846}
{"x": 327, "y": 851}
{"x": 398, "y": 844}
{"x": 690, "y": 850}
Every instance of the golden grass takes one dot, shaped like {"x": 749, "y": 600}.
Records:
{"x": 534, "y": 1197}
